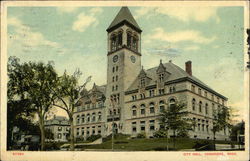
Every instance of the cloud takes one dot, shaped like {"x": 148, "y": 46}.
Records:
{"x": 186, "y": 14}
{"x": 179, "y": 36}
{"x": 26, "y": 36}
{"x": 66, "y": 9}
{"x": 85, "y": 20}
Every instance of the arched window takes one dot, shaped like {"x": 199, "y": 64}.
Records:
{"x": 114, "y": 111}
{"x": 99, "y": 116}
{"x": 206, "y": 108}
{"x": 78, "y": 119}
{"x": 172, "y": 102}
{"x": 161, "y": 106}
{"x": 193, "y": 104}
{"x": 93, "y": 117}
{"x": 200, "y": 106}
{"x": 119, "y": 39}
{"x": 135, "y": 43}
{"x": 142, "y": 109}
{"x": 113, "y": 42}
{"x": 134, "y": 112}
{"x": 152, "y": 107}
{"x": 83, "y": 118}
{"x": 88, "y": 117}
{"x": 129, "y": 39}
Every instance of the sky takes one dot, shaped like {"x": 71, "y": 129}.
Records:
{"x": 76, "y": 37}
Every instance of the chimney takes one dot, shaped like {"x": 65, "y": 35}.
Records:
{"x": 189, "y": 67}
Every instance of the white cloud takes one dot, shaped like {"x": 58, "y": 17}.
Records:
{"x": 200, "y": 14}
{"x": 192, "y": 48}
{"x": 66, "y": 9}
{"x": 185, "y": 35}
{"x": 84, "y": 20}
{"x": 26, "y": 36}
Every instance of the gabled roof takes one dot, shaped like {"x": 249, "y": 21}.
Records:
{"x": 176, "y": 73}
{"x": 124, "y": 16}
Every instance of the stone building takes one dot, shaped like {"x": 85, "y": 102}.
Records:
{"x": 133, "y": 97}
{"x": 59, "y": 126}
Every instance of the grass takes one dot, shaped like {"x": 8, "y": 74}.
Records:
{"x": 125, "y": 144}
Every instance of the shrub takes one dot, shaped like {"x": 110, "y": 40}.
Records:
{"x": 52, "y": 146}
{"x": 160, "y": 134}
{"x": 93, "y": 137}
{"x": 141, "y": 135}
{"x": 116, "y": 136}
{"x": 79, "y": 139}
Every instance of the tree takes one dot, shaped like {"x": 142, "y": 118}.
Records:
{"x": 34, "y": 82}
{"x": 174, "y": 118}
{"x": 49, "y": 134}
{"x": 68, "y": 95}
{"x": 222, "y": 119}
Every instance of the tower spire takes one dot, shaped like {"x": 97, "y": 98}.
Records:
{"x": 124, "y": 16}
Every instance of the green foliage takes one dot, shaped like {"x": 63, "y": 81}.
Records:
{"x": 160, "y": 134}
{"x": 31, "y": 84}
{"x": 49, "y": 134}
{"x": 93, "y": 137}
{"x": 141, "y": 135}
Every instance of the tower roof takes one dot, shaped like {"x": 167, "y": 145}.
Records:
{"x": 124, "y": 16}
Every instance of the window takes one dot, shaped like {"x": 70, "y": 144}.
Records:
{"x": 170, "y": 90}
{"x": 99, "y": 116}
{"x": 116, "y": 78}
{"x": 151, "y": 93}
{"x": 129, "y": 39}
{"x": 93, "y": 117}
{"x": 161, "y": 77}
{"x": 205, "y": 93}
{"x": 161, "y": 105}
{"x": 199, "y": 91}
{"x": 193, "y": 88}
{"x": 199, "y": 127}
{"x": 134, "y": 97}
{"x": 143, "y": 82}
{"x": 213, "y": 109}
{"x": 113, "y": 69}
{"x": 78, "y": 119}
{"x": 161, "y": 91}
{"x": 82, "y": 130}
{"x": 151, "y": 125}
{"x": 135, "y": 43}
{"x": 116, "y": 87}
{"x": 113, "y": 42}
{"x": 113, "y": 88}
{"x": 88, "y": 117}
{"x": 142, "y": 126}
{"x": 116, "y": 68}
{"x": 142, "y": 95}
{"x": 223, "y": 103}
{"x": 59, "y": 128}
{"x": 59, "y": 136}
{"x": 171, "y": 102}
{"x": 203, "y": 127}
{"x": 77, "y": 131}
{"x": 206, "y": 108}
{"x": 174, "y": 89}
{"x": 119, "y": 39}
{"x": 142, "y": 109}
{"x": 133, "y": 126}
{"x": 207, "y": 128}
{"x": 83, "y": 118}
{"x": 200, "y": 106}
{"x": 212, "y": 97}
{"x": 218, "y": 100}
{"x": 193, "y": 104}
{"x": 151, "y": 108}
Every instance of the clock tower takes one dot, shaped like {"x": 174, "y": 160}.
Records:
{"x": 124, "y": 65}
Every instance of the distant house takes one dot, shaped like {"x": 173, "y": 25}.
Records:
{"x": 59, "y": 126}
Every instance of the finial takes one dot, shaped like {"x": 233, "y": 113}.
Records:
{"x": 160, "y": 61}
{"x": 142, "y": 67}
{"x": 170, "y": 61}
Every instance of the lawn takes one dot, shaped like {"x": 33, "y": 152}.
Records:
{"x": 144, "y": 144}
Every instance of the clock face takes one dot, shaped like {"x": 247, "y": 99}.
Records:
{"x": 115, "y": 58}
{"x": 133, "y": 59}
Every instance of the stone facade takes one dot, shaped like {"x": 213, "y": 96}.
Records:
{"x": 133, "y": 97}
{"x": 60, "y": 127}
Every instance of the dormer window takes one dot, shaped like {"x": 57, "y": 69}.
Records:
{"x": 143, "y": 82}
{"x": 161, "y": 77}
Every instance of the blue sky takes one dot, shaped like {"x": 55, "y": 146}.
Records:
{"x": 75, "y": 37}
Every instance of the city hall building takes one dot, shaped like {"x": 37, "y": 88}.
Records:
{"x": 134, "y": 97}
